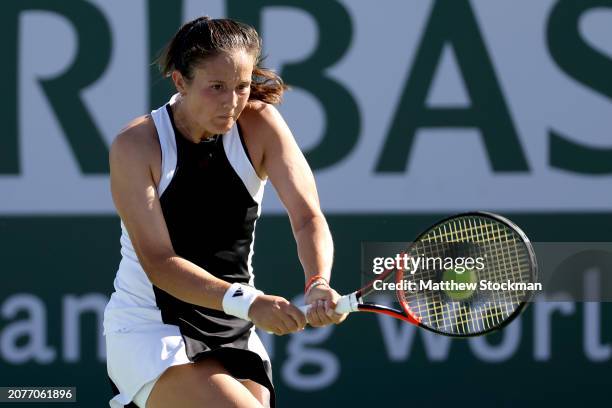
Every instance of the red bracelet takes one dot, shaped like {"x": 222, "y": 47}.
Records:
{"x": 312, "y": 279}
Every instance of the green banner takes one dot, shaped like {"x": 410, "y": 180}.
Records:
{"x": 58, "y": 272}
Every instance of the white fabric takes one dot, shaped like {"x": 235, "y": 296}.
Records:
{"x": 242, "y": 166}
{"x": 138, "y": 357}
{"x": 167, "y": 143}
{"x": 141, "y": 397}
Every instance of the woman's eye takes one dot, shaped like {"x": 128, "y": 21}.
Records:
{"x": 217, "y": 87}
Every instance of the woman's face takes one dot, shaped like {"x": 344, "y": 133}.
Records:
{"x": 218, "y": 92}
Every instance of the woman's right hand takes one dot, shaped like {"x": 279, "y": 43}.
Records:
{"x": 276, "y": 315}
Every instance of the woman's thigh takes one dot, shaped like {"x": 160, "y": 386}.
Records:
{"x": 259, "y": 391}
{"x": 204, "y": 383}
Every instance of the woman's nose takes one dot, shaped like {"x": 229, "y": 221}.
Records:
{"x": 231, "y": 100}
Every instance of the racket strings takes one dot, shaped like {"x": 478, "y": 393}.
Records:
{"x": 505, "y": 259}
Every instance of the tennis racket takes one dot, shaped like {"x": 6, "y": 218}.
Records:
{"x": 506, "y": 254}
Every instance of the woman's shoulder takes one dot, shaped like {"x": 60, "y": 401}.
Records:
{"x": 138, "y": 139}
{"x": 261, "y": 118}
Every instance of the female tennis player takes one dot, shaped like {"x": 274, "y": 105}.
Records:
{"x": 188, "y": 181}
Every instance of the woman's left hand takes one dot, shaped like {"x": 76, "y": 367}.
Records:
{"x": 323, "y": 301}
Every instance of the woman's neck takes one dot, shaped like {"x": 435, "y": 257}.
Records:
{"x": 187, "y": 127}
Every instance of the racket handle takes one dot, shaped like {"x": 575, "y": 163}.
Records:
{"x": 346, "y": 304}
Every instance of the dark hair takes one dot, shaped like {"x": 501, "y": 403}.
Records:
{"x": 203, "y": 37}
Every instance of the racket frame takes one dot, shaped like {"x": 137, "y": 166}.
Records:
{"x": 354, "y": 302}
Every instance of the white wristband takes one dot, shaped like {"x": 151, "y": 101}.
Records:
{"x": 238, "y": 299}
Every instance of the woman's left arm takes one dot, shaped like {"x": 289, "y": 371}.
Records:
{"x": 287, "y": 169}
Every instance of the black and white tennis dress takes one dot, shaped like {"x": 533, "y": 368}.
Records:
{"x": 211, "y": 198}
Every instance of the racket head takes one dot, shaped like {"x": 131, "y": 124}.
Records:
{"x": 509, "y": 256}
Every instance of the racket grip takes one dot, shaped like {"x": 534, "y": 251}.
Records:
{"x": 346, "y": 304}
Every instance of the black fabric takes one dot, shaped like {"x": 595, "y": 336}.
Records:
{"x": 211, "y": 217}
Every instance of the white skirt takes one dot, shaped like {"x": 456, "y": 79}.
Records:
{"x": 140, "y": 346}
{"x": 139, "y": 356}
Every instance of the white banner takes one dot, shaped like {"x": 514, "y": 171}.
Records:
{"x": 433, "y": 105}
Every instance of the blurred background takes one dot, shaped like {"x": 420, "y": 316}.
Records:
{"x": 406, "y": 111}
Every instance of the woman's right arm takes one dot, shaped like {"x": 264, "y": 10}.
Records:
{"x": 134, "y": 193}
{"x": 132, "y": 157}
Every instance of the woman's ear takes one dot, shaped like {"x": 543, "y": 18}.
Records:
{"x": 179, "y": 82}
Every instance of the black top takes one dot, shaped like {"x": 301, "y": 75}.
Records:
{"x": 210, "y": 216}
